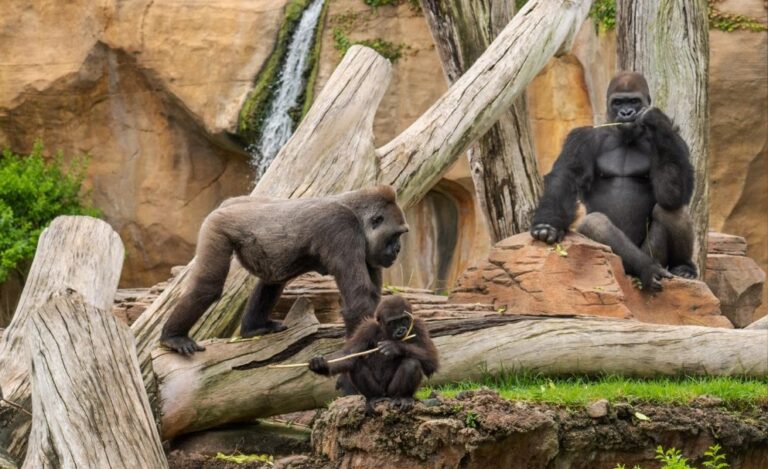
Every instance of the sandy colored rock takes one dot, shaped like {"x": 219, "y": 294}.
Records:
{"x": 738, "y": 282}
{"x": 738, "y": 151}
{"x": 583, "y": 277}
{"x": 722, "y": 243}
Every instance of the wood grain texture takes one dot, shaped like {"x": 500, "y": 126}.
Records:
{"x": 77, "y": 253}
{"x": 231, "y": 381}
{"x": 90, "y": 409}
{"x": 502, "y": 162}
{"x": 668, "y": 41}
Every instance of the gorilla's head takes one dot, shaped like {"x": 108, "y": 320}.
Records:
{"x": 394, "y": 315}
{"x": 383, "y": 222}
{"x": 628, "y": 96}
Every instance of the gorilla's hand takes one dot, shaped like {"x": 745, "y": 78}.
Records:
{"x": 390, "y": 348}
{"x": 319, "y": 365}
{"x": 654, "y": 119}
{"x": 547, "y": 233}
{"x": 181, "y": 344}
{"x": 651, "y": 275}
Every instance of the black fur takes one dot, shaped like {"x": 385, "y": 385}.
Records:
{"x": 635, "y": 180}
{"x": 396, "y": 370}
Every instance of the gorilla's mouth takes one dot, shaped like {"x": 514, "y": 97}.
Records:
{"x": 400, "y": 332}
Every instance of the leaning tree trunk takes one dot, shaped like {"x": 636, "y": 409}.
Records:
{"x": 503, "y": 161}
{"x": 90, "y": 409}
{"x": 668, "y": 41}
{"x": 81, "y": 254}
{"x": 332, "y": 150}
{"x": 232, "y": 382}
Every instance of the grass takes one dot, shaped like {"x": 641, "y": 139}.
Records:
{"x": 734, "y": 391}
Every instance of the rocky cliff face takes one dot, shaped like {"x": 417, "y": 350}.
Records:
{"x": 152, "y": 90}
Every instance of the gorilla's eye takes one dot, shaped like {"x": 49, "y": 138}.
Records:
{"x": 376, "y": 221}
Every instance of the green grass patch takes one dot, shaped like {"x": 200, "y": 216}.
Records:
{"x": 388, "y": 50}
{"x": 578, "y": 390}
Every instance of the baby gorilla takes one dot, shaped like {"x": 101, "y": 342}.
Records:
{"x": 396, "y": 370}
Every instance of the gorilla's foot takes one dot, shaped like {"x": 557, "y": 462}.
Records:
{"x": 267, "y": 328}
{"x": 344, "y": 384}
{"x": 403, "y": 403}
{"x": 651, "y": 276}
{"x": 181, "y": 344}
{"x": 684, "y": 271}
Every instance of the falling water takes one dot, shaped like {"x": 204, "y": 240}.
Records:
{"x": 278, "y": 126}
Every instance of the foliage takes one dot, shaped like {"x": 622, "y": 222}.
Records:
{"x": 471, "y": 419}
{"x": 673, "y": 459}
{"x": 731, "y": 21}
{"x": 380, "y": 3}
{"x": 603, "y": 13}
{"x": 388, "y": 50}
{"x": 33, "y": 192}
{"x": 579, "y": 390}
{"x": 245, "y": 458}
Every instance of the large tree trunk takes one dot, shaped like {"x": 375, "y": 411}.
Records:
{"x": 502, "y": 162}
{"x": 332, "y": 149}
{"x": 668, "y": 41}
{"x": 232, "y": 382}
{"x": 81, "y": 254}
{"x": 90, "y": 409}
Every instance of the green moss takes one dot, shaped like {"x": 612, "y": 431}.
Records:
{"x": 257, "y": 103}
{"x": 603, "y": 13}
{"x": 729, "y": 22}
{"x": 387, "y": 49}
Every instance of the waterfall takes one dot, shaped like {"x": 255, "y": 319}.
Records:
{"x": 278, "y": 125}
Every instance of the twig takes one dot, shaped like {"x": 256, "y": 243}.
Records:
{"x": 15, "y": 406}
{"x": 345, "y": 357}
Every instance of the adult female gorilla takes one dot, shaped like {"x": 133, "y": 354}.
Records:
{"x": 635, "y": 180}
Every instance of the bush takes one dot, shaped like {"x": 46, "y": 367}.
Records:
{"x": 33, "y": 192}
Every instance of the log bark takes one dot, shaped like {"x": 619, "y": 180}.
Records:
{"x": 760, "y": 324}
{"x": 503, "y": 161}
{"x": 231, "y": 381}
{"x": 90, "y": 409}
{"x": 668, "y": 41}
{"x": 81, "y": 254}
{"x": 335, "y": 140}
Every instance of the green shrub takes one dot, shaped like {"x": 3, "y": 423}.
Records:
{"x": 33, "y": 192}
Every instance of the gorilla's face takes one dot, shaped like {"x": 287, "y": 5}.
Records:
{"x": 626, "y": 107}
{"x": 383, "y": 230}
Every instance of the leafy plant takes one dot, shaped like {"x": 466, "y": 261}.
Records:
{"x": 715, "y": 459}
{"x": 471, "y": 419}
{"x": 33, "y": 191}
{"x": 728, "y": 22}
{"x": 673, "y": 459}
{"x": 603, "y": 13}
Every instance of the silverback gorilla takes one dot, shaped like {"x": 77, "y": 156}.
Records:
{"x": 396, "y": 370}
{"x": 635, "y": 181}
{"x": 351, "y": 236}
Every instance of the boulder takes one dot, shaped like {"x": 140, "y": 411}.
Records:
{"x": 735, "y": 279}
{"x": 580, "y": 277}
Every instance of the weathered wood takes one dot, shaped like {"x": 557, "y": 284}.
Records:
{"x": 334, "y": 140}
{"x": 760, "y": 324}
{"x": 90, "y": 409}
{"x": 81, "y": 254}
{"x": 231, "y": 381}
{"x": 502, "y": 162}
{"x": 668, "y": 41}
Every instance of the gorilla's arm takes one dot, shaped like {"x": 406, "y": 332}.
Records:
{"x": 423, "y": 349}
{"x": 573, "y": 169}
{"x": 672, "y": 174}
{"x": 363, "y": 339}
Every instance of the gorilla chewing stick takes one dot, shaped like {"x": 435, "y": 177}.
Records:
{"x": 345, "y": 357}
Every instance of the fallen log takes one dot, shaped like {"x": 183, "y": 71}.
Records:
{"x": 760, "y": 324}
{"x": 90, "y": 409}
{"x": 231, "y": 381}
{"x": 81, "y": 254}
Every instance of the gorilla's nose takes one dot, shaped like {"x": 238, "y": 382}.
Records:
{"x": 625, "y": 113}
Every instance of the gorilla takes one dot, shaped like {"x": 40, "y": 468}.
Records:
{"x": 351, "y": 236}
{"x": 635, "y": 179}
{"x": 396, "y": 370}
